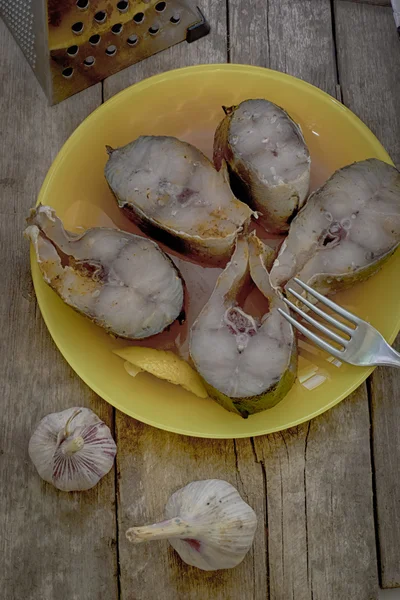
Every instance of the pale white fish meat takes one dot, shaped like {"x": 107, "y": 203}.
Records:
{"x": 173, "y": 193}
{"x": 268, "y": 159}
{"x": 345, "y": 232}
{"x": 122, "y": 282}
{"x": 248, "y": 364}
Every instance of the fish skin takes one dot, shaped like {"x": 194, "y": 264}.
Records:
{"x": 95, "y": 273}
{"x": 380, "y": 201}
{"x": 257, "y": 256}
{"x": 172, "y": 202}
{"x": 275, "y": 203}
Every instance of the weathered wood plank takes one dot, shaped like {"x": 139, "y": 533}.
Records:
{"x": 385, "y": 413}
{"x": 152, "y": 464}
{"x": 369, "y": 64}
{"x": 339, "y": 503}
{"x": 290, "y": 36}
{"x": 319, "y": 502}
{"x": 297, "y": 495}
{"x": 297, "y": 567}
{"x": 52, "y": 544}
{"x": 369, "y": 67}
{"x": 313, "y": 473}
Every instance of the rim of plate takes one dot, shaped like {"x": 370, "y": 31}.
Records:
{"x": 148, "y": 82}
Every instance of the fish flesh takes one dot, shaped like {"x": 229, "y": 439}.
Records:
{"x": 248, "y": 364}
{"x": 121, "y": 281}
{"x": 345, "y": 232}
{"x": 174, "y": 194}
{"x": 268, "y": 160}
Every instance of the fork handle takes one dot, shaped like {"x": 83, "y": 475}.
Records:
{"x": 388, "y": 357}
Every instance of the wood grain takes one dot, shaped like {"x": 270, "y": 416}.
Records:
{"x": 385, "y": 412}
{"x": 288, "y": 478}
{"x": 369, "y": 67}
{"x": 52, "y": 544}
{"x": 369, "y": 64}
{"x": 313, "y": 473}
{"x": 293, "y": 36}
{"x": 152, "y": 464}
{"x": 321, "y": 536}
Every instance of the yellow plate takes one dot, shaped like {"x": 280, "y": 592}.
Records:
{"x": 187, "y": 103}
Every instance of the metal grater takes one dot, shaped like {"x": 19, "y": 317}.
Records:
{"x": 72, "y": 44}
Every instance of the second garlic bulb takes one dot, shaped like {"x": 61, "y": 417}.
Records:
{"x": 72, "y": 449}
{"x": 208, "y": 524}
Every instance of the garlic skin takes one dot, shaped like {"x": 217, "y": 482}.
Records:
{"x": 72, "y": 449}
{"x": 208, "y": 524}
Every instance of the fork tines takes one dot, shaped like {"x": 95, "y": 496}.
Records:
{"x": 325, "y": 330}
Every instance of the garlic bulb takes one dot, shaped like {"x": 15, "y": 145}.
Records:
{"x": 209, "y": 525}
{"x": 72, "y": 449}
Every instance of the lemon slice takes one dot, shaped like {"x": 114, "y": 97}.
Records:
{"x": 133, "y": 370}
{"x": 164, "y": 365}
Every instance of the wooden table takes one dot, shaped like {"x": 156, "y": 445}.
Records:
{"x": 326, "y": 493}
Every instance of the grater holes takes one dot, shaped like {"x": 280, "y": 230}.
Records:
{"x": 123, "y": 6}
{"x": 72, "y": 50}
{"x": 111, "y": 50}
{"x": 117, "y": 28}
{"x": 77, "y": 28}
{"x": 68, "y": 72}
{"x": 160, "y": 6}
{"x": 82, "y": 4}
{"x": 175, "y": 19}
{"x": 89, "y": 61}
{"x": 100, "y": 16}
{"x": 132, "y": 40}
{"x": 154, "y": 29}
{"x": 138, "y": 18}
{"x": 94, "y": 40}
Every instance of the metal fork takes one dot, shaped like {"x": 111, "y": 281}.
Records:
{"x": 365, "y": 347}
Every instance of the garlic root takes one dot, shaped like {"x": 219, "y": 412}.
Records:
{"x": 173, "y": 528}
